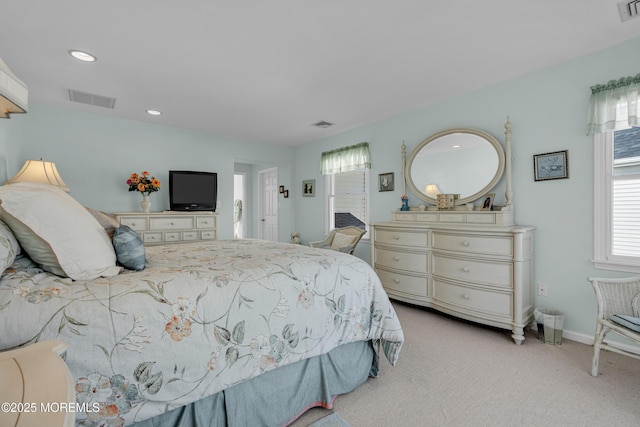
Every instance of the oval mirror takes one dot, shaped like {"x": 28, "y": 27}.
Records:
{"x": 468, "y": 162}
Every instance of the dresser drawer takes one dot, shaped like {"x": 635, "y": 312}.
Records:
{"x": 205, "y": 222}
{"x": 402, "y": 260}
{"x": 481, "y": 272}
{"x": 412, "y": 285}
{"x": 135, "y": 223}
{"x": 402, "y": 238}
{"x": 152, "y": 237}
{"x": 494, "y": 303}
{"x": 487, "y": 245}
{"x": 189, "y": 235}
{"x": 170, "y": 223}
{"x": 172, "y": 236}
{"x": 208, "y": 235}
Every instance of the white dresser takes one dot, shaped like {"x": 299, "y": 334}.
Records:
{"x": 467, "y": 264}
{"x": 171, "y": 226}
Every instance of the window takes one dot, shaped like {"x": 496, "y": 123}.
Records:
{"x": 348, "y": 199}
{"x": 617, "y": 199}
{"x": 347, "y": 186}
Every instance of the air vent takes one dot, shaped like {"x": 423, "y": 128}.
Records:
{"x": 628, "y": 9}
{"x": 91, "y": 99}
{"x": 322, "y": 124}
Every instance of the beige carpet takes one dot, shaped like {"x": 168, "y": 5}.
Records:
{"x": 454, "y": 373}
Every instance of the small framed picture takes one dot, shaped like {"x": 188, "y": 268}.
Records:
{"x": 551, "y": 165}
{"x": 487, "y": 202}
{"x": 281, "y": 189}
{"x": 385, "y": 181}
{"x": 309, "y": 188}
{"x": 285, "y": 193}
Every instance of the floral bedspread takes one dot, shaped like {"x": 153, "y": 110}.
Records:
{"x": 200, "y": 318}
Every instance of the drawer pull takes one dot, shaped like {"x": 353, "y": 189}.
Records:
{"x": 171, "y": 223}
{"x": 396, "y": 280}
{"x": 465, "y": 243}
{"x": 396, "y": 237}
{"x": 396, "y": 258}
{"x": 465, "y": 269}
{"x": 133, "y": 224}
{"x": 465, "y": 296}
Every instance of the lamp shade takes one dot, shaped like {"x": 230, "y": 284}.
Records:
{"x": 39, "y": 171}
{"x": 432, "y": 190}
{"x": 13, "y": 93}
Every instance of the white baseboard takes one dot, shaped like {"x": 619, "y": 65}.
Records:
{"x": 588, "y": 340}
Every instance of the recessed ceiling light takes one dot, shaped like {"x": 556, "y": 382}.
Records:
{"x": 154, "y": 112}
{"x": 82, "y": 56}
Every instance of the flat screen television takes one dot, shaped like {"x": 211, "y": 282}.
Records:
{"x": 193, "y": 191}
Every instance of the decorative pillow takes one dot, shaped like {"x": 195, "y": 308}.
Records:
{"x": 57, "y": 232}
{"x": 9, "y": 247}
{"x": 635, "y": 305}
{"x": 630, "y": 322}
{"x": 108, "y": 222}
{"x": 129, "y": 248}
{"x": 341, "y": 240}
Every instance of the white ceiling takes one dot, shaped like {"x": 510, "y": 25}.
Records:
{"x": 265, "y": 71}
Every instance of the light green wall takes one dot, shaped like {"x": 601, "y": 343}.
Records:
{"x": 96, "y": 154}
{"x": 548, "y": 110}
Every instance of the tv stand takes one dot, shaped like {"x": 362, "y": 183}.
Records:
{"x": 158, "y": 228}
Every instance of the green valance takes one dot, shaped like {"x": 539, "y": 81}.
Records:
{"x": 346, "y": 159}
{"x": 614, "y": 105}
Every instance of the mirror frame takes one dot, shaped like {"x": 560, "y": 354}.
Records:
{"x": 482, "y": 134}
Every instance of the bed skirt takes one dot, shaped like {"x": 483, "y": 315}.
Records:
{"x": 278, "y": 397}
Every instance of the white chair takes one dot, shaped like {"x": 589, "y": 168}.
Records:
{"x": 343, "y": 239}
{"x": 618, "y": 299}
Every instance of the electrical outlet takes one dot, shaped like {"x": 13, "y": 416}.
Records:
{"x": 542, "y": 289}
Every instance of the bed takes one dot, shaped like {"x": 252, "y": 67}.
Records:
{"x": 243, "y": 332}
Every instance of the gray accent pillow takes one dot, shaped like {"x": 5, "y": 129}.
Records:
{"x": 129, "y": 248}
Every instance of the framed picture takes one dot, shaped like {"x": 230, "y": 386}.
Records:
{"x": 286, "y": 194}
{"x": 309, "y": 188}
{"x": 385, "y": 181}
{"x": 281, "y": 189}
{"x": 551, "y": 165}
{"x": 487, "y": 202}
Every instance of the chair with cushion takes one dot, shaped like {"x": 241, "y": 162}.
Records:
{"x": 342, "y": 239}
{"x": 619, "y": 312}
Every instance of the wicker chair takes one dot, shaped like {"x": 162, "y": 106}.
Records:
{"x": 343, "y": 239}
{"x": 615, "y": 297}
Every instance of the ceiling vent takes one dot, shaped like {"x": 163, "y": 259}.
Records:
{"x": 91, "y": 99}
{"x": 628, "y": 9}
{"x": 322, "y": 124}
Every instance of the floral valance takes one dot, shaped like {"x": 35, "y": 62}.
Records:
{"x": 345, "y": 159}
{"x": 614, "y": 106}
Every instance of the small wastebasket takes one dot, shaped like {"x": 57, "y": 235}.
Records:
{"x": 550, "y": 324}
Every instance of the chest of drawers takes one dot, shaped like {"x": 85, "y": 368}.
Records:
{"x": 475, "y": 272}
{"x": 156, "y": 228}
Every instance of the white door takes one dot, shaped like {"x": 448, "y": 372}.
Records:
{"x": 268, "y": 202}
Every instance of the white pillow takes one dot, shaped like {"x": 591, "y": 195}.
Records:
{"x": 635, "y": 305}
{"x": 9, "y": 247}
{"x": 341, "y": 240}
{"x": 57, "y": 232}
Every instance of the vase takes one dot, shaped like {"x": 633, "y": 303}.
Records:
{"x": 145, "y": 203}
{"x": 405, "y": 204}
